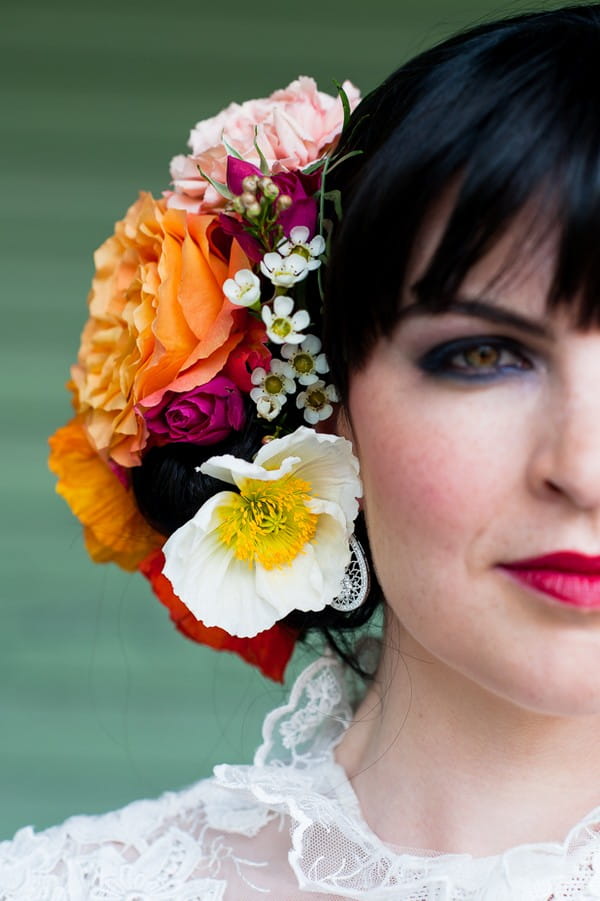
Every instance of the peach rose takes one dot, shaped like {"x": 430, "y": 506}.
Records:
{"x": 158, "y": 321}
{"x": 296, "y": 126}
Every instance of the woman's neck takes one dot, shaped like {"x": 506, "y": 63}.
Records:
{"x": 439, "y": 763}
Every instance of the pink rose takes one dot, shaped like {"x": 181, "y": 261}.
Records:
{"x": 205, "y": 415}
{"x": 296, "y": 126}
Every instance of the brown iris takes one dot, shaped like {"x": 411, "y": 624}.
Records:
{"x": 484, "y": 356}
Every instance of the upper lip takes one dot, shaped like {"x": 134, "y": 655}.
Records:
{"x": 560, "y": 561}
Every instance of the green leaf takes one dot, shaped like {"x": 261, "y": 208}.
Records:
{"x": 222, "y": 189}
{"x": 230, "y": 150}
{"x": 345, "y": 102}
{"x": 322, "y": 197}
{"x": 314, "y": 166}
{"x": 264, "y": 166}
{"x": 355, "y": 126}
{"x": 337, "y": 160}
{"x": 320, "y": 283}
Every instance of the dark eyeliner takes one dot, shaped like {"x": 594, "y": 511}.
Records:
{"x": 436, "y": 361}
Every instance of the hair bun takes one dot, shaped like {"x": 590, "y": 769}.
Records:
{"x": 168, "y": 487}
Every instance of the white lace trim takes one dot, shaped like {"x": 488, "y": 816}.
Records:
{"x": 335, "y": 852}
{"x": 227, "y": 839}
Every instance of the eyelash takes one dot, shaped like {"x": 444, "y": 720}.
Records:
{"x": 438, "y": 360}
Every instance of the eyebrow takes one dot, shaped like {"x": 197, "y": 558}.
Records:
{"x": 483, "y": 309}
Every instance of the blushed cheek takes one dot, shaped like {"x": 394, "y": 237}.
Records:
{"x": 422, "y": 492}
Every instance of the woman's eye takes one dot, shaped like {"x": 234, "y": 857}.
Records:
{"x": 476, "y": 357}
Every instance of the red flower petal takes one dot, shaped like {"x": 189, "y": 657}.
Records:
{"x": 269, "y": 651}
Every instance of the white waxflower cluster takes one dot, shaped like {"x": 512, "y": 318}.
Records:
{"x": 302, "y": 362}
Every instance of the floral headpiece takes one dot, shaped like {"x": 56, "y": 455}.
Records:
{"x": 199, "y": 319}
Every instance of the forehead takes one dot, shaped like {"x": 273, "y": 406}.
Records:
{"x": 518, "y": 267}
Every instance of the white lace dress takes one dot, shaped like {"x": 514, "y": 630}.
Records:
{"x": 287, "y": 828}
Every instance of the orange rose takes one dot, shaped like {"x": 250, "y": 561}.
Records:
{"x": 158, "y": 321}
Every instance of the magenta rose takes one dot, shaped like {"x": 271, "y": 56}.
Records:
{"x": 205, "y": 415}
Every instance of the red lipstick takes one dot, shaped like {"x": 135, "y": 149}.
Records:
{"x": 566, "y": 576}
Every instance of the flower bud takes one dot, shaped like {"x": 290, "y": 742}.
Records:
{"x": 253, "y": 210}
{"x": 248, "y": 198}
{"x": 270, "y": 190}
{"x": 238, "y": 204}
{"x": 250, "y": 183}
{"x": 284, "y": 202}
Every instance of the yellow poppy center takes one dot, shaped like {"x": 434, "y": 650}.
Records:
{"x": 269, "y": 522}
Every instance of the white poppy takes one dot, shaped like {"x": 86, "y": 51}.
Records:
{"x": 276, "y": 544}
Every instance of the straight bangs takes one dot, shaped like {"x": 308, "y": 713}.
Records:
{"x": 508, "y": 114}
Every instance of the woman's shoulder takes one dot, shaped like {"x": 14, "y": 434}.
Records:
{"x": 186, "y": 845}
{"x": 116, "y": 848}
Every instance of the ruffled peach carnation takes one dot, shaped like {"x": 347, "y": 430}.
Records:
{"x": 295, "y": 126}
{"x": 158, "y": 321}
{"x": 114, "y": 529}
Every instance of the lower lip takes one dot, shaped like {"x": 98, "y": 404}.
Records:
{"x": 573, "y": 589}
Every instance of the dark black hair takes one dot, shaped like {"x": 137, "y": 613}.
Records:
{"x": 510, "y": 110}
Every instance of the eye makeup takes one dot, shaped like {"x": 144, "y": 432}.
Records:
{"x": 476, "y": 358}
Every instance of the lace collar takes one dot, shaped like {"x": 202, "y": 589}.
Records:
{"x": 335, "y": 852}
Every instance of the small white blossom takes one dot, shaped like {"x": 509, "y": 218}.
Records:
{"x": 284, "y": 271}
{"x": 306, "y": 362}
{"x": 243, "y": 289}
{"x": 268, "y": 406}
{"x": 298, "y": 243}
{"x": 282, "y": 327}
{"x": 271, "y": 388}
{"x": 277, "y": 382}
{"x": 316, "y": 401}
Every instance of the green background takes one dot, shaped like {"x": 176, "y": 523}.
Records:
{"x": 100, "y": 700}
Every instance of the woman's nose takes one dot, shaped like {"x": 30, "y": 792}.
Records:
{"x": 566, "y": 460}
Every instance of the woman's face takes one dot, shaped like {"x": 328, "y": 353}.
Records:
{"x": 479, "y": 443}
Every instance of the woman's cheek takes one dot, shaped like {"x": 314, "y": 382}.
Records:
{"x": 417, "y": 485}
